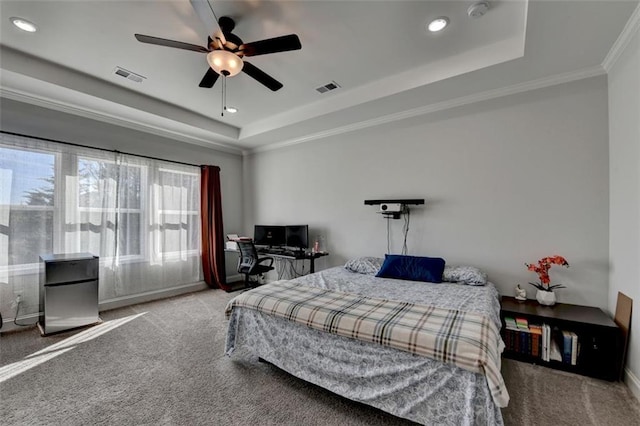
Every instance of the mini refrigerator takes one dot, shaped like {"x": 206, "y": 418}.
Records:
{"x": 68, "y": 291}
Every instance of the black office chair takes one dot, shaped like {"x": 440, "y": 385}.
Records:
{"x": 249, "y": 263}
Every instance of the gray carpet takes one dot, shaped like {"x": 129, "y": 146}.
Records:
{"x": 167, "y": 367}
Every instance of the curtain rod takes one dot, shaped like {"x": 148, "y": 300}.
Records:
{"x": 99, "y": 149}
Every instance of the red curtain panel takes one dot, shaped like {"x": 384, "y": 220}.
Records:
{"x": 213, "y": 263}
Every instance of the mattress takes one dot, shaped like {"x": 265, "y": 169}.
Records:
{"x": 406, "y": 385}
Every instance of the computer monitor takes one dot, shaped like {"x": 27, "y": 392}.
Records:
{"x": 297, "y": 236}
{"x": 269, "y": 235}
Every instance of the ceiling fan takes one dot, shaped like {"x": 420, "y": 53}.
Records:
{"x": 225, "y": 53}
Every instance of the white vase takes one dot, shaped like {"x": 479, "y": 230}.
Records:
{"x": 547, "y": 298}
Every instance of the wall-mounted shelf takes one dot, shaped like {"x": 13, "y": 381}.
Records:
{"x": 410, "y": 201}
{"x": 394, "y": 208}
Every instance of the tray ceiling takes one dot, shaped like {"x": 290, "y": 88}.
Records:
{"x": 377, "y": 51}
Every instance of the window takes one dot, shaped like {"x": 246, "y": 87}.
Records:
{"x": 27, "y": 202}
{"x": 109, "y": 201}
{"x": 140, "y": 216}
{"x": 178, "y": 216}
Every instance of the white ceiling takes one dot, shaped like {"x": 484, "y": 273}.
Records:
{"x": 378, "y": 51}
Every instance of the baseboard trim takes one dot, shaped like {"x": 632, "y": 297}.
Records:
{"x": 114, "y": 303}
{"x": 149, "y": 296}
{"x": 234, "y": 278}
{"x": 8, "y": 325}
{"x": 632, "y": 382}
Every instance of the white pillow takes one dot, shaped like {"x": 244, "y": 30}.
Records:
{"x": 465, "y": 275}
{"x": 364, "y": 265}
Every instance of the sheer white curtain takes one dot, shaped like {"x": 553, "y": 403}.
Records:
{"x": 140, "y": 216}
{"x": 170, "y": 223}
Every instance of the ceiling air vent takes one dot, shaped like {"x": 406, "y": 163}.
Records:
{"x": 328, "y": 87}
{"x": 129, "y": 75}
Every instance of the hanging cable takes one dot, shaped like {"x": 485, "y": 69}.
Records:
{"x": 15, "y": 319}
{"x": 405, "y": 229}
{"x": 295, "y": 269}
{"x": 388, "y": 235}
{"x": 280, "y": 267}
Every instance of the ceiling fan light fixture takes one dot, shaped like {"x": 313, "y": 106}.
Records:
{"x": 23, "y": 24}
{"x": 224, "y": 62}
{"x": 231, "y": 109}
{"x": 438, "y": 24}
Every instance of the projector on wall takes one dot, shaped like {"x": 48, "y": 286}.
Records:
{"x": 390, "y": 208}
{"x": 394, "y": 208}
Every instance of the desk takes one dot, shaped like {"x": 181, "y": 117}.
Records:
{"x": 301, "y": 255}
{"x": 280, "y": 255}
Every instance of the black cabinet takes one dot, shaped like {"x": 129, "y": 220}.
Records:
{"x": 598, "y": 336}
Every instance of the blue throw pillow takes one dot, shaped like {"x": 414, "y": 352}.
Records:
{"x": 412, "y": 268}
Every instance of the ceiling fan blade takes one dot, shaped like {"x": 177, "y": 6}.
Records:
{"x": 272, "y": 45}
{"x": 261, "y": 76}
{"x": 205, "y": 12}
{"x": 170, "y": 43}
{"x": 209, "y": 79}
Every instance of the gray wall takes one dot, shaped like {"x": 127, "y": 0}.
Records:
{"x": 506, "y": 181}
{"x": 31, "y": 120}
{"x": 624, "y": 228}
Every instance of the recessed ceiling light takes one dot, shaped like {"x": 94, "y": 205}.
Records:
{"x": 438, "y": 24}
{"x": 24, "y": 25}
{"x": 232, "y": 110}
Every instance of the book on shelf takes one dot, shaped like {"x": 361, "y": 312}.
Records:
{"x": 522, "y": 337}
{"x": 574, "y": 348}
{"x": 522, "y": 323}
{"x": 566, "y": 347}
{"x": 554, "y": 352}
{"x": 547, "y": 342}
{"x": 510, "y": 323}
{"x": 543, "y": 355}
{"x": 536, "y": 340}
{"x": 541, "y": 341}
{"x": 570, "y": 347}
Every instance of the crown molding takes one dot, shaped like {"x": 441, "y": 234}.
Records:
{"x": 633, "y": 24}
{"x": 41, "y": 101}
{"x": 440, "y": 106}
{"x": 45, "y": 102}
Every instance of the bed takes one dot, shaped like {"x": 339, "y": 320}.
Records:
{"x": 418, "y": 388}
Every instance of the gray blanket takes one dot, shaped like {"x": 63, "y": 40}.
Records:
{"x": 406, "y": 385}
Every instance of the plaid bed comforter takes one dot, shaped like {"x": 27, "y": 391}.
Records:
{"x": 467, "y": 340}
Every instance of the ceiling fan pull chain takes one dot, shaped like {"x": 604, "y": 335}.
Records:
{"x": 224, "y": 92}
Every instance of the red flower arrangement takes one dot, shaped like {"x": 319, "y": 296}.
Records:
{"x": 542, "y": 269}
